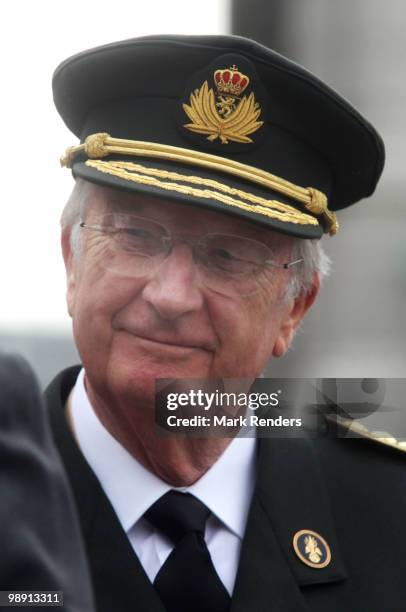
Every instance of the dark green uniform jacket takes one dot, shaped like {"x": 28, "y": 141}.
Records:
{"x": 352, "y": 492}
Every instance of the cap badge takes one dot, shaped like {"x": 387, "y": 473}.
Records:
{"x": 311, "y": 548}
{"x": 224, "y": 114}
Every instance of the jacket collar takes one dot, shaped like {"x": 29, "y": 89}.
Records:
{"x": 119, "y": 580}
{"x": 290, "y": 496}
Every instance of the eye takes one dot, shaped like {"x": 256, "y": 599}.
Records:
{"x": 137, "y": 232}
{"x": 138, "y": 236}
{"x": 233, "y": 255}
{"x": 226, "y": 261}
{"x": 137, "y": 240}
{"x": 223, "y": 254}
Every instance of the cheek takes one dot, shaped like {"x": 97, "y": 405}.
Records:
{"x": 99, "y": 296}
{"x": 247, "y": 330}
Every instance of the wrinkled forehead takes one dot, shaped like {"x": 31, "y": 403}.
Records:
{"x": 182, "y": 217}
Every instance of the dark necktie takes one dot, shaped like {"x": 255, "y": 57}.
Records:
{"x": 187, "y": 581}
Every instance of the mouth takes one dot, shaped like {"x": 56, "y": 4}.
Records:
{"x": 175, "y": 344}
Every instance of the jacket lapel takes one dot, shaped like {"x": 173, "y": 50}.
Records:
{"x": 119, "y": 581}
{"x": 290, "y": 496}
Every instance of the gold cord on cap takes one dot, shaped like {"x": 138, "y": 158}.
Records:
{"x": 102, "y": 144}
{"x": 212, "y": 190}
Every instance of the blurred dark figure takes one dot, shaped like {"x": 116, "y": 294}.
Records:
{"x": 41, "y": 547}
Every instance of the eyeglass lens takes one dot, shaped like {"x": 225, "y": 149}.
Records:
{"x": 228, "y": 264}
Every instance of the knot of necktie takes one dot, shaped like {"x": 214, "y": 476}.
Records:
{"x": 175, "y": 514}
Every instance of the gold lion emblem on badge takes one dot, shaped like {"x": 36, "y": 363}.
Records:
{"x": 224, "y": 114}
{"x": 312, "y": 549}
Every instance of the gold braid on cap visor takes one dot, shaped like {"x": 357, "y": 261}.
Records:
{"x": 100, "y": 145}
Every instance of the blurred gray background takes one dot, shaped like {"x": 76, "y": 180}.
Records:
{"x": 357, "y": 327}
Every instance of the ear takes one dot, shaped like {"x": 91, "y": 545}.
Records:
{"x": 70, "y": 269}
{"x": 297, "y": 309}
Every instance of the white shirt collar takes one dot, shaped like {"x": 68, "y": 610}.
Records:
{"x": 226, "y": 488}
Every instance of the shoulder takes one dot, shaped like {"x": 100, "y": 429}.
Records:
{"x": 35, "y": 497}
{"x": 365, "y": 472}
{"x": 352, "y": 441}
{"x": 355, "y": 429}
{"x": 16, "y": 376}
{"x": 59, "y": 388}
{"x": 21, "y": 404}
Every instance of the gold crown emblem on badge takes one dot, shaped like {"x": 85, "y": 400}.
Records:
{"x": 224, "y": 114}
{"x": 231, "y": 81}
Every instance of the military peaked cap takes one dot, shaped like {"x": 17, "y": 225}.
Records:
{"x": 219, "y": 122}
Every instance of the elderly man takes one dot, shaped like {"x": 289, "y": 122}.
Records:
{"x": 208, "y": 169}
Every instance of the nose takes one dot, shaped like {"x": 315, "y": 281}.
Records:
{"x": 173, "y": 290}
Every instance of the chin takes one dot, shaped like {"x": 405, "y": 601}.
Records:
{"x": 137, "y": 380}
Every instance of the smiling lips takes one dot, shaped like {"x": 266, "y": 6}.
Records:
{"x": 171, "y": 342}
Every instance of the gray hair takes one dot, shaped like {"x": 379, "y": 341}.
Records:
{"x": 315, "y": 261}
{"x": 73, "y": 212}
{"x": 311, "y": 252}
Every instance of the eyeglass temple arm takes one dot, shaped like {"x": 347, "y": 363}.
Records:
{"x": 284, "y": 266}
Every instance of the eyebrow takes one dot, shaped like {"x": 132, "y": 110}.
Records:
{"x": 115, "y": 205}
